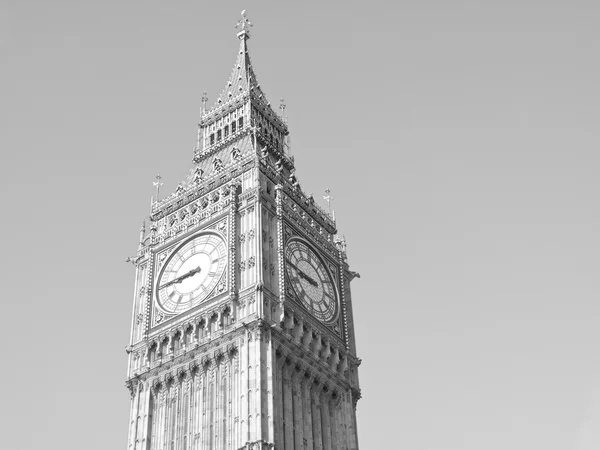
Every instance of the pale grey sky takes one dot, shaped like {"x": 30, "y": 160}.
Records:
{"x": 460, "y": 141}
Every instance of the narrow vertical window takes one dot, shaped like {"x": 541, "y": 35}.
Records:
{"x": 226, "y": 130}
{"x": 233, "y": 127}
{"x": 241, "y": 122}
{"x": 212, "y": 138}
{"x": 218, "y": 135}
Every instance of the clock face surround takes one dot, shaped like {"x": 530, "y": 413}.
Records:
{"x": 191, "y": 273}
{"x": 311, "y": 281}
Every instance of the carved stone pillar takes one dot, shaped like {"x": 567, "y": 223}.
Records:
{"x": 317, "y": 345}
{"x": 307, "y": 339}
{"x": 288, "y": 406}
{"x": 316, "y": 416}
{"x": 307, "y": 409}
{"x": 279, "y": 405}
{"x": 325, "y": 420}
{"x": 297, "y": 376}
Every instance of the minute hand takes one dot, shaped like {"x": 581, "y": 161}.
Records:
{"x": 182, "y": 277}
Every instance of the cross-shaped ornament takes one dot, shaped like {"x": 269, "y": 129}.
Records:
{"x": 204, "y": 100}
{"x": 244, "y": 24}
{"x": 282, "y": 106}
{"x": 157, "y": 184}
{"x": 328, "y": 199}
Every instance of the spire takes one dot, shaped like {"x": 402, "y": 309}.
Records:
{"x": 242, "y": 108}
{"x": 243, "y": 79}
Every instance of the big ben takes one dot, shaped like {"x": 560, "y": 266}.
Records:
{"x": 242, "y": 331}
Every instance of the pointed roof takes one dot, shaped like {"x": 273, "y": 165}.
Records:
{"x": 242, "y": 79}
{"x": 242, "y": 82}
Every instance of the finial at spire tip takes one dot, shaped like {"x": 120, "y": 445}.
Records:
{"x": 244, "y": 25}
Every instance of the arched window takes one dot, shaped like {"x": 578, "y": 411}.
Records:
{"x": 176, "y": 342}
{"x": 200, "y": 329}
{"x": 153, "y": 352}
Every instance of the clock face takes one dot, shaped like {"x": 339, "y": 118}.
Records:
{"x": 191, "y": 273}
{"x": 310, "y": 280}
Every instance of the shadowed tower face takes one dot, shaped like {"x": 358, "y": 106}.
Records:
{"x": 242, "y": 332}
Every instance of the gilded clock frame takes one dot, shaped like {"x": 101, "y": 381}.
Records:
{"x": 217, "y": 228}
{"x": 327, "y": 266}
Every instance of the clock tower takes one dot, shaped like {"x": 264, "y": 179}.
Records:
{"x": 242, "y": 333}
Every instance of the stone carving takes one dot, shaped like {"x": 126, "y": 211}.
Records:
{"x": 198, "y": 172}
{"x": 181, "y": 374}
{"x": 236, "y": 154}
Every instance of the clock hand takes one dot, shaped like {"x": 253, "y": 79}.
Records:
{"x": 307, "y": 278}
{"x": 191, "y": 273}
{"x": 181, "y": 278}
{"x": 303, "y": 275}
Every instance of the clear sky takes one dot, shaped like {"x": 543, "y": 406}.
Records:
{"x": 459, "y": 139}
